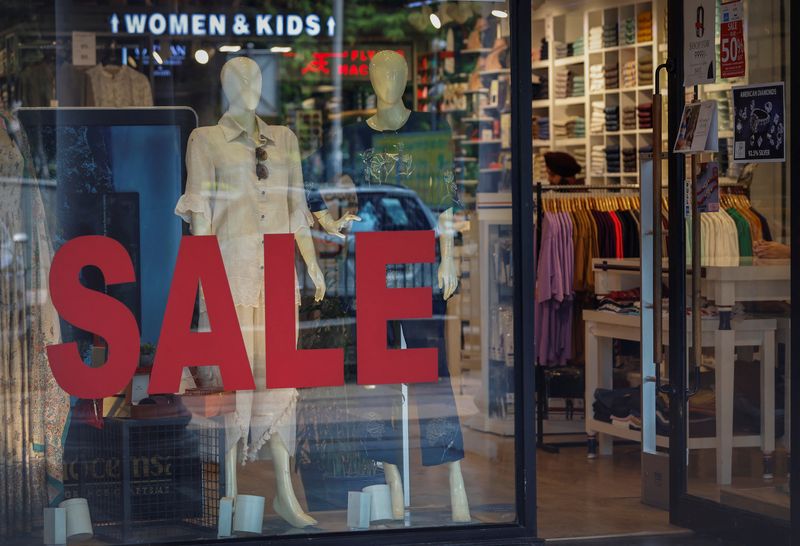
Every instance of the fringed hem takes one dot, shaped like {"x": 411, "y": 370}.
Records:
{"x": 249, "y": 452}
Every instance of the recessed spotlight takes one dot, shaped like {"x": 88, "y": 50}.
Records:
{"x": 201, "y": 56}
{"x": 280, "y": 49}
{"x": 500, "y": 14}
{"x": 228, "y": 48}
{"x": 435, "y": 21}
{"x": 157, "y": 57}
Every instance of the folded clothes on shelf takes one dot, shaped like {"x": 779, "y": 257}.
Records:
{"x": 595, "y": 38}
{"x": 629, "y": 74}
{"x": 598, "y": 116}
{"x": 629, "y": 160}
{"x": 629, "y": 118}
{"x": 560, "y": 49}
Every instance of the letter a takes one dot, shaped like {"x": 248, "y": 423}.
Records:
{"x": 200, "y": 264}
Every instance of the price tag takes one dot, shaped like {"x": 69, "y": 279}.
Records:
{"x": 731, "y": 45}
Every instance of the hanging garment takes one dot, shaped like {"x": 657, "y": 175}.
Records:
{"x": 117, "y": 87}
{"x": 35, "y": 409}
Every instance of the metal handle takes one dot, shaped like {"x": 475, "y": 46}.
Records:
{"x": 657, "y": 265}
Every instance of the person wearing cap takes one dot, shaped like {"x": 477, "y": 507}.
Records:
{"x": 562, "y": 169}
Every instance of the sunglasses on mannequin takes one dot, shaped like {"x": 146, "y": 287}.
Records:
{"x": 261, "y": 169}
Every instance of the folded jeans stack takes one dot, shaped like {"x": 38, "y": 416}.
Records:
{"x": 575, "y": 48}
{"x": 542, "y": 128}
{"x": 559, "y": 49}
{"x": 562, "y": 87}
{"x": 645, "y": 72}
{"x": 598, "y": 117}
{"x": 629, "y": 31}
{"x": 629, "y": 160}
{"x": 560, "y": 128}
{"x": 629, "y": 74}
{"x": 612, "y": 118}
{"x": 580, "y": 157}
{"x": 612, "y": 159}
{"x": 644, "y": 22}
{"x": 540, "y": 91}
{"x": 645, "y": 112}
{"x": 576, "y": 127}
{"x": 539, "y": 167}
{"x": 610, "y": 35}
{"x": 597, "y": 78}
{"x": 578, "y": 86}
{"x": 595, "y": 38}
{"x": 629, "y": 118}
{"x": 612, "y": 76}
{"x": 598, "y": 159}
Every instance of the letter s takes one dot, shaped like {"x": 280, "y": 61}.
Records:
{"x": 94, "y": 312}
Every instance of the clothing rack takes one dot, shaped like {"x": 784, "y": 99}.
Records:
{"x": 541, "y": 391}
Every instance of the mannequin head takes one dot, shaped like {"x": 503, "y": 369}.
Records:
{"x": 388, "y": 72}
{"x": 241, "y": 83}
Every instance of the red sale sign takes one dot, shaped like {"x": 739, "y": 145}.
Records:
{"x": 731, "y": 45}
{"x": 199, "y": 263}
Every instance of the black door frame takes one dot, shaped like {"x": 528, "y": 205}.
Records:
{"x": 687, "y": 510}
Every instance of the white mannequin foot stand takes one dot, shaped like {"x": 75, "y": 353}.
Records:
{"x": 458, "y": 493}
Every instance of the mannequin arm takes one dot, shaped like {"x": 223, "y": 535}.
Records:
{"x": 200, "y": 224}
{"x": 306, "y": 245}
{"x": 448, "y": 276}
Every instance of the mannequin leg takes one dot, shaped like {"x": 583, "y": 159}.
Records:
{"x": 458, "y": 494}
{"x": 231, "y": 462}
{"x": 285, "y": 503}
{"x": 395, "y": 484}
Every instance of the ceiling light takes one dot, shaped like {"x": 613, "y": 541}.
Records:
{"x": 227, "y": 48}
{"x": 201, "y": 56}
{"x": 500, "y": 14}
{"x": 280, "y": 49}
{"x": 157, "y": 57}
{"x": 435, "y": 21}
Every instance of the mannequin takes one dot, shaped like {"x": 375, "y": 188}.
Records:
{"x": 259, "y": 167}
{"x": 388, "y": 75}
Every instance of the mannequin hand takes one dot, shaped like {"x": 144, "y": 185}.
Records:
{"x": 318, "y": 278}
{"x": 448, "y": 279}
{"x": 335, "y": 227}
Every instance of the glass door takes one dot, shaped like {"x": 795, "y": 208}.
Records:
{"x": 730, "y": 274}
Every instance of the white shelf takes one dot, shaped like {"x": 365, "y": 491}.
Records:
{"x": 575, "y": 141}
{"x": 467, "y": 182}
{"x": 492, "y": 170}
{"x": 481, "y": 91}
{"x": 462, "y": 159}
{"x": 479, "y": 119}
{"x": 476, "y": 51}
{"x": 540, "y": 64}
{"x": 537, "y": 142}
{"x": 568, "y": 61}
{"x": 541, "y": 103}
{"x": 570, "y": 101}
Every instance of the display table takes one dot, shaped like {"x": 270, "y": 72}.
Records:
{"x": 723, "y": 286}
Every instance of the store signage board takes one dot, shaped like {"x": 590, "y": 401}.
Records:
{"x": 731, "y": 46}
{"x": 698, "y": 130}
{"x": 84, "y": 49}
{"x": 199, "y": 263}
{"x": 706, "y": 189}
{"x": 759, "y": 123}
{"x": 699, "y": 57}
{"x": 221, "y": 24}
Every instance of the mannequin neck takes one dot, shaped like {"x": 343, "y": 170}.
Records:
{"x": 390, "y": 116}
{"x": 246, "y": 119}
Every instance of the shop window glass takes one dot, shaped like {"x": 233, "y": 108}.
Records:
{"x": 160, "y": 384}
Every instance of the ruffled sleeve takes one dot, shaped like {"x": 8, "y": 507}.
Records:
{"x": 200, "y": 180}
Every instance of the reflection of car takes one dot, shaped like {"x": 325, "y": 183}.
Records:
{"x": 381, "y": 208}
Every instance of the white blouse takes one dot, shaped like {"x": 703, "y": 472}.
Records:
{"x": 222, "y": 185}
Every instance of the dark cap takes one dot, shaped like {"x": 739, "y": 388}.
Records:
{"x": 562, "y": 164}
